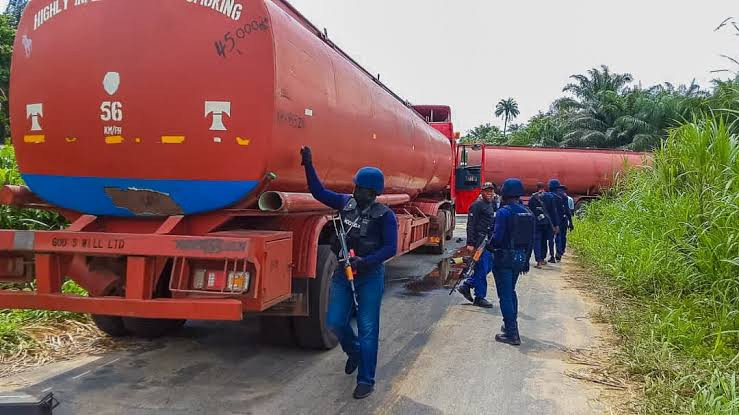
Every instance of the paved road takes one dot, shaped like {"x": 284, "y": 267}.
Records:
{"x": 437, "y": 356}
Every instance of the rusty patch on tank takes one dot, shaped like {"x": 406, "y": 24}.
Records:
{"x": 142, "y": 202}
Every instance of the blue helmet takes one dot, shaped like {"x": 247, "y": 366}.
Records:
{"x": 512, "y": 188}
{"x": 554, "y": 184}
{"x": 370, "y": 178}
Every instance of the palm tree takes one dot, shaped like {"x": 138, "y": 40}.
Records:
{"x": 600, "y": 99}
{"x": 509, "y": 109}
{"x": 606, "y": 112}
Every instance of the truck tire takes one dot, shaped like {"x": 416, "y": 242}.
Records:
{"x": 110, "y": 325}
{"x": 276, "y": 331}
{"x": 150, "y": 328}
{"x": 442, "y": 224}
{"x": 311, "y": 332}
{"x": 450, "y": 233}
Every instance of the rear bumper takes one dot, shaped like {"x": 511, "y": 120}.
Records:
{"x": 51, "y": 257}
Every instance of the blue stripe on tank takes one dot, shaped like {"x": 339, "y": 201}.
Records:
{"x": 88, "y": 194}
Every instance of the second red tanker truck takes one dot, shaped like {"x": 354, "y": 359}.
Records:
{"x": 168, "y": 134}
{"x": 585, "y": 171}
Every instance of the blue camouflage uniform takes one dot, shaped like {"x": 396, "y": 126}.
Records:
{"x": 373, "y": 235}
{"x": 543, "y": 206}
{"x": 512, "y": 244}
{"x": 563, "y": 206}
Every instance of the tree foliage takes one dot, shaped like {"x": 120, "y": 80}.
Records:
{"x": 484, "y": 134}
{"x": 7, "y": 36}
{"x": 604, "y": 109}
{"x": 15, "y": 11}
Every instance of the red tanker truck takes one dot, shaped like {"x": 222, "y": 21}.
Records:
{"x": 168, "y": 134}
{"x": 585, "y": 171}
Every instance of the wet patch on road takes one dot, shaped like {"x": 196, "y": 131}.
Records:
{"x": 445, "y": 275}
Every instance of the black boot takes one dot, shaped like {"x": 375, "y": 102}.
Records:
{"x": 559, "y": 258}
{"x": 509, "y": 337}
{"x": 351, "y": 366}
{"x": 363, "y": 390}
{"x": 552, "y": 260}
{"x": 464, "y": 289}
{"x": 481, "y": 302}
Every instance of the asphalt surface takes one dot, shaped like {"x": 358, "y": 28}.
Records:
{"x": 437, "y": 356}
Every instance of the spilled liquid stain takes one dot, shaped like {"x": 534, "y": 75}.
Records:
{"x": 445, "y": 275}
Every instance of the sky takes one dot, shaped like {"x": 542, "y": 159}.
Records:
{"x": 469, "y": 54}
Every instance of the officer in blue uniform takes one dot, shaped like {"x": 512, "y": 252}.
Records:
{"x": 372, "y": 230}
{"x": 557, "y": 202}
{"x": 513, "y": 240}
{"x": 543, "y": 207}
{"x": 479, "y": 225}
{"x": 565, "y": 216}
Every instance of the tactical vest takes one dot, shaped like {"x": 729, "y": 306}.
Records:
{"x": 520, "y": 237}
{"x": 363, "y": 227}
{"x": 521, "y": 225}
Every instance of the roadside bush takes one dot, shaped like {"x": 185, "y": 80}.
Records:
{"x": 669, "y": 236}
{"x": 26, "y": 219}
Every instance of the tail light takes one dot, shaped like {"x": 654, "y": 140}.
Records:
{"x": 212, "y": 277}
{"x": 220, "y": 280}
{"x": 13, "y": 269}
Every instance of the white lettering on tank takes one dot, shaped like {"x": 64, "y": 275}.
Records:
{"x": 52, "y": 9}
{"x": 228, "y": 8}
{"x": 112, "y": 130}
{"x": 236, "y": 15}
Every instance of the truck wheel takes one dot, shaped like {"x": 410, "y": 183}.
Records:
{"x": 276, "y": 331}
{"x": 151, "y": 328}
{"x": 442, "y": 224}
{"x": 110, "y": 325}
{"x": 450, "y": 233}
{"x": 311, "y": 332}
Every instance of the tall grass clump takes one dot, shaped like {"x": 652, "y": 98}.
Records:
{"x": 26, "y": 219}
{"x": 668, "y": 237}
{"x": 15, "y": 337}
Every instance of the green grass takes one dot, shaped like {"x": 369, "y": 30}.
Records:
{"x": 668, "y": 237}
{"x": 25, "y": 219}
{"x": 13, "y": 338}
